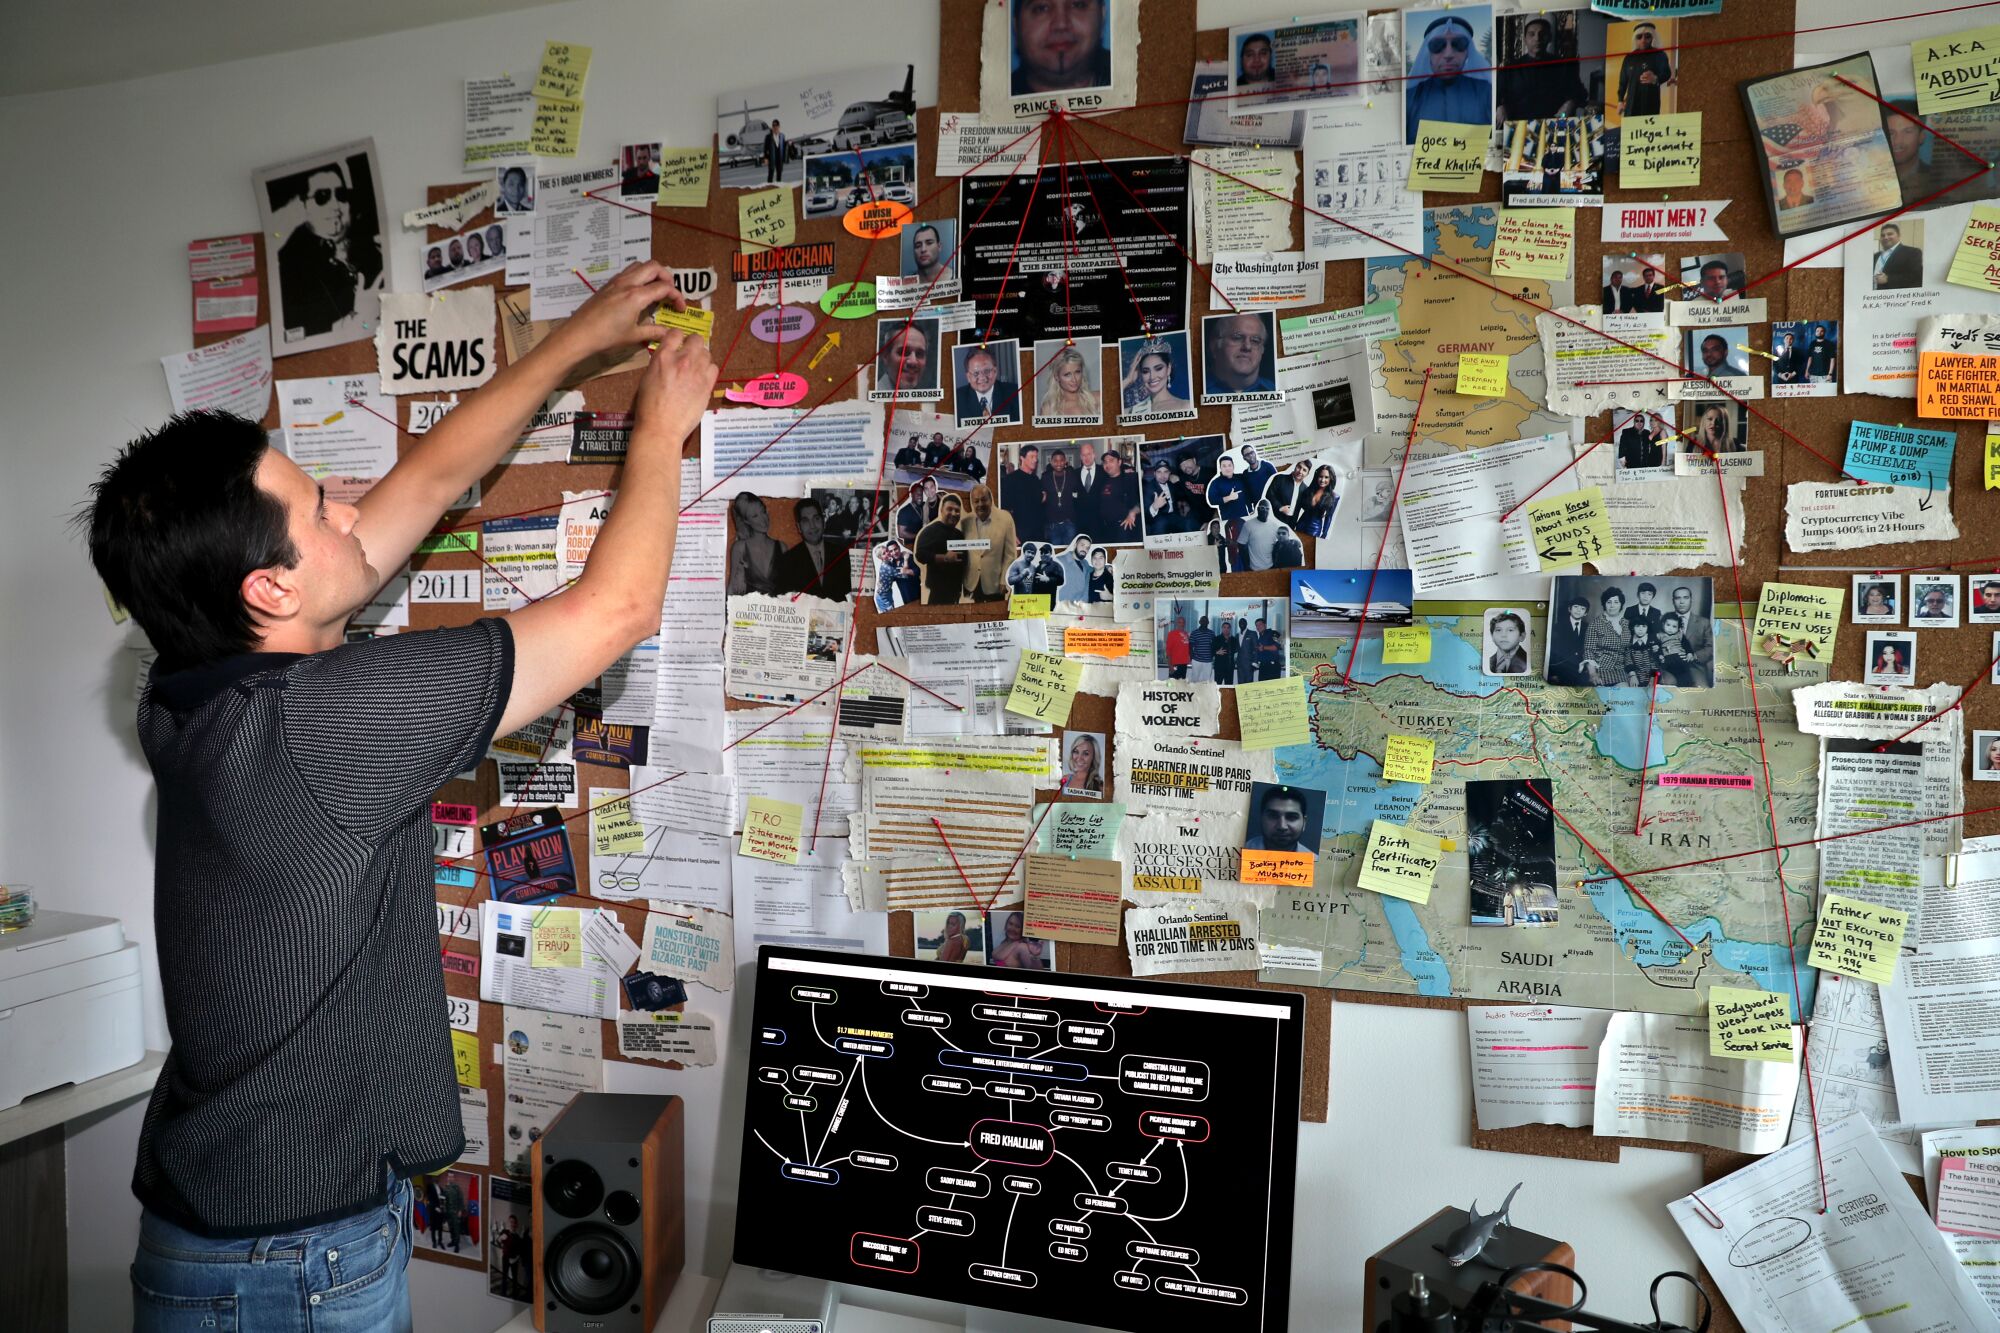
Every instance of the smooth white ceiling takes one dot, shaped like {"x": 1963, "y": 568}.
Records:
{"x": 51, "y": 44}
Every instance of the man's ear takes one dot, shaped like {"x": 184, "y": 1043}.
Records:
{"x": 271, "y": 594}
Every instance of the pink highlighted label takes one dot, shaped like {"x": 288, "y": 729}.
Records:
{"x": 1717, "y": 781}
{"x": 780, "y": 390}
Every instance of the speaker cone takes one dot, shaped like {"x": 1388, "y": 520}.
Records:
{"x": 573, "y": 1187}
{"x": 591, "y": 1269}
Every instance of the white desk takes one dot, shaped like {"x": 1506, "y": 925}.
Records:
{"x": 687, "y": 1309}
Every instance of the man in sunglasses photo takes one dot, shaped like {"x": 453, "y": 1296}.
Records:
{"x": 1447, "y": 71}
{"x": 326, "y": 260}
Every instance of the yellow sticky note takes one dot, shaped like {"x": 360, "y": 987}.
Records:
{"x": 691, "y": 320}
{"x": 1660, "y": 152}
{"x": 565, "y": 66}
{"x": 558, "y": 938}
{"x": 119, "y": 615}
{"x": 1028, "y": 606}
{"x": 1408, "y": 759}
{"x": 1401, "y": 862}
{"x": 613, "y": 830}
{"x": 1976, "y": 262}
{"x": 1749, "y": 1024}
{"x": 1567, "y": 530}
{"x": 1958, "y": 70}
{"x": 465, "y": 1058}
{"x": 683, "y": 177}
{"x": 1449, "y": 157}
{"x": 1857, "y": 939}
{"x": 1534, "y": 243}
{"x": 1992, "y": 480}
{"x": 1044, "y": 687}
{"x": 1482, "y": 374}
{"x": 764, "y": 219}
{"x": 557, "y": 124}
{"x": 772, "y": 830}
{"x": 1098, "y": 642}
{"x": 1799, "y": 611}
{"x": 1273, "y": 713}
{"x": 1405, "y": 644}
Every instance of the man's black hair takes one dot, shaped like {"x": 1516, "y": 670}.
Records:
{"x": 303, "y": 191}
{"x": 1519, "y": 623}
{"x": 176, "y": 522}
{"x": 1282, "y": 793}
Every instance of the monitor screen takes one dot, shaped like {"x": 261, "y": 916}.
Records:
{"x": 1096, "y": 1149}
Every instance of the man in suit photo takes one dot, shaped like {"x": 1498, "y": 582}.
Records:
{"x": 984, "y": 392}
{"x": 1896, "y": 265}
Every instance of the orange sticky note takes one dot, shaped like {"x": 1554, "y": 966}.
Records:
{"x": 1292, "y": 869}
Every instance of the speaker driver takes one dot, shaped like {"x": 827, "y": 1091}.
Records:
{"x": 591, "y": 1269}
{"x": 574, "y": 1187}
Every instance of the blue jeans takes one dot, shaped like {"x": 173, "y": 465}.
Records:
{"x": 350, "y": 1276}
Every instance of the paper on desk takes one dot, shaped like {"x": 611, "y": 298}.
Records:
{"x": 1979, "y": 1257}
{"x": 1942, "y": 1010}
{"x": 1534, "y": 1064}
{"x": 1656, "y": 1080}
{"x": 1783, "y": 1265}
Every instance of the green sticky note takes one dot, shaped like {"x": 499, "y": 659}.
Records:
{"x": 440, "y": 542}
{"x": 1273, "y": 713}
{"x": 1749, "y": 1024}
{"x": 1858, "y": 939}
{"x": 1079, "y": 828}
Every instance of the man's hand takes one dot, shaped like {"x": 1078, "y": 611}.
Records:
{"x": 674, "y": 391}
{"x": 620, "y": 313}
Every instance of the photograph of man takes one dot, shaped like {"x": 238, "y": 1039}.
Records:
{"x": 1642, "y": 443}
{"x": 1285, "y": 818}
{"x": 986, "y": 571}
{"x": 1716, "y": 276}
{"x": 332, "y": 249}
{"x": 639, "y": 170}
{"x": 1270, "y": 650}
{"x": 1985, "y": 608}
{"x": 1538, "y": 80}
{"x": 986, "y": 379}
{"x": 1569, "y": 639}
{"x": 1821, "y": 351}
{"x": 1229, "y": 498}
{"x": 1792, "y": 190}
{"x": 906, "y": 360}
{"x": 1259, "y": 536}
{"x": 814, "y": 565}
{"x": 1907, "y": 137}
{"x": 434, "y": 265}
{"x": 927, "y": 256}
{"x": 517, "y": 192}
{"x": 944, "y": 568}
{"x": 496, "y": 241}
{"x": 775, "y": 151}
{"x": 1156, "y": 498}
{"x": 1645, "y": 74}
{"x": 1898, "y": 265}
{"x": 1239, "y": 356}
{"x": 1110, "y": 496}
{"x": 1180, "y": 650}
{"x": 1615, "y": 297}
{"x": 1693, "y": 603}
{"x": 1021, "y": 494}
{"x": 508, "y": 1272}
{"x": 1075, "y": 562}
{"x": 1448, "y": 67}
{"x": 1253, "y": 59}
{"x": 1062, "y": 496}
{"x": 1713, "y": 352}
{"x": 1935, "y": 598}
{"x": 1059, "y": 46}
{"x": 1507, "y": 648}
{"x": 1789, "y": 367}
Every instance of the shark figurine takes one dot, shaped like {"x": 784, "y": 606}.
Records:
{"x": 1465, "y": 1244}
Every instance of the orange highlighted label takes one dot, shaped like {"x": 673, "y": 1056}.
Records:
{"x": 1291, "y": 869}
{"x": 883, "y": 217}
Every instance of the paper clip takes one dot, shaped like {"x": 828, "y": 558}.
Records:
{"x": 1704, "y": 1212}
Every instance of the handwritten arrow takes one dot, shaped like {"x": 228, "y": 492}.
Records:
{"x": 1554, "y": 554}
{"x": 832, "y": 341}
{"x": 1930, "y": 486}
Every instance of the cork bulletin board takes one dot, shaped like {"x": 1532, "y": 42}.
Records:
{"x": 1805, "y": 443}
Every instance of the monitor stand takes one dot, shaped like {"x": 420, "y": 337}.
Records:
{"x": 846, "y": 1309}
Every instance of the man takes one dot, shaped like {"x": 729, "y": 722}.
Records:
{"x": 1567, "y": 640}
{"x": 1235, "y": 346}
{"x": 1643, "y": 612}
{"x": 987, "y": 570}
{"x": 1819, "y": 355}
{"x": 1281, "y": 823}
{"x": 1510, "y": 654}
{"x": 1536, "y": 85}
{"x": 434, "y": 265}
{"x": 1259, "y": 537}
{"x": 1439, "y": 86}
{"x": 936, "y": 451}
{"x": 1716, "y": 358}
{"x": 1638, "y": 450}
{"x": 243, "y": 575}
{"x": 1256, "y": 473}
{"x": 904, "y": 363}
{"x": 513, "y": 1249}
{"x": 1114, "y": 501}
{"x": 1989, "y": 602}
{"x": 1896, "y": 265}
{"x": 1790, "y": 367}
{"x": 1201, "y": 651}
{"x": 983, "y": 395}
{"x": 1906, "y": 144}
{"x": 496, "y": 241}
{"x": 1935, "y": 603}
{"x": 927, "y": 248}
{"x": 454, "y": 1208}
{"x": 514, "y": 197}
{"x": 775, "y": 151}
{"x": 1615, "y": 295}
{"x": 1060, "y": 497}
{"x": 1253, "y": 60}
{"x": 1021, "y": 495}
{"x": 944, "y": 568}
{"x": 1086, "y": 478}
{"x": 1697, "y": 636}
{"x": 322, "y": 266}
{"x": 1642, "y": 74}
{"x": 454, "y": 253}
{"x": 1180, "y": 652}
{"x": 1648, "y": 299}
{"x": 1794, "y": 195}
{"x": 1715, "y": 280}
{"x": 1158, "y": 500}
{"x": 641, "y": 175}
{"x": 1270, "y": 652}
{"x": 1059, "y": 46}
{"x": 815, "y": 565}
{"x": 911, "y": 455}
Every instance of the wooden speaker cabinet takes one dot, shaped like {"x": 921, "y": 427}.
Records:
{"x": 610, "y": 1213}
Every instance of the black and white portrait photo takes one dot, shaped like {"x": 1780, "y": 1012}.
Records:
{"x": 321, "y": 218}
{"x": 1506, "y": 650}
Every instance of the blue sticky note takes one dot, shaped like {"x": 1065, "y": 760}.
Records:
{"x": 1900, "y": 455}
{"x": 457, "y": 877}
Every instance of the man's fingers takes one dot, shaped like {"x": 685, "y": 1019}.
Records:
{"x": 645, "y": 271}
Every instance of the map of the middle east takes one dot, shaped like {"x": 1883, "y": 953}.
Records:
{"x": 1587, "y": 748}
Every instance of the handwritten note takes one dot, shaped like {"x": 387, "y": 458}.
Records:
{"x": 1044, "y": 687}
{"x": 1076, "y": 899}
{"x": 1449, "y": 157}
{"x": 1958, "y": 70}
{"x": 1534, "y": 243}
{"x": 1992, "y": 469}
{"x": 1408, "y": 759}
{"x": 613, "y": 829}
{"x": 1482, "y": 375}
{"x": 1403, "y": 645}
{"x": 565, "y": 66}
{"x": 764, "y": 219}
{"x": 1900, "y": 455}
{"x": 465, "y": 1058}
{"x": 772, "y": 830}
{"x": 683, "y": 177}
{"x": 1660, "y": 152}
{"x": 557, "y": 938}
{"x": 1976, "y": 262}
{"x": 1857, "y": 939}
{"x": 1293, "y": 870}
{"x": 557, "y": 124}
{"x": 1795, "y": 611}
{"x": 1401, "y": 862}
{"x": 1569, "y": 529}
{"x": 1029, "y": 606}
{"x": 1273, "y": 713}
{"x": 1749, "y": 1024}
{"x": 1079, "y": 828}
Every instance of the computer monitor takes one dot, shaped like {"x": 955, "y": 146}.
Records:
{"x": 1096, "y": 1149}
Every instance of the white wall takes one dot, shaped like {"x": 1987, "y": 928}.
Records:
{"x": 106, "y": 187}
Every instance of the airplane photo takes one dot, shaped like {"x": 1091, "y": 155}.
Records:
{"x": 1323, "y": 598}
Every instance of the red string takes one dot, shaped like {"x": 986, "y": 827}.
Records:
{"x": 1409, "y": 447}
{"x": 1646, "y": 753}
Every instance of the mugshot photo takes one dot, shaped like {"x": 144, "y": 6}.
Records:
{"x": 1284, "y": 818}
{"x": 1239, "y": 358}
{"x": 1059, "y": 46}
{"x": 1718, "y": 353}
{"x": 1891, "y": 658}
{"x": 1982, "y": 599}
{"x": 1934, "y": 601}
{"x": 516, "y": 185}
{"x": 1711, "y": 277}
{"x": 1507, "y": 648}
